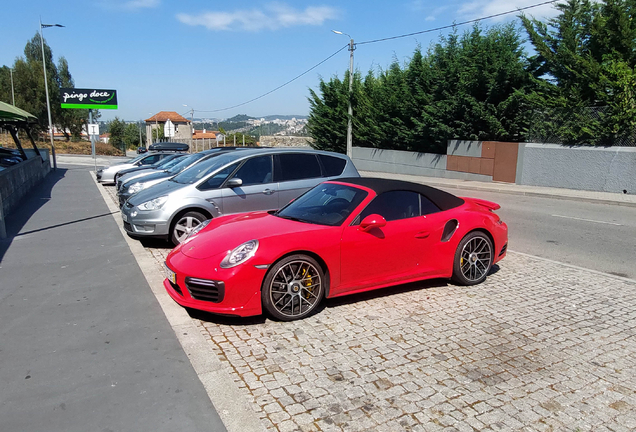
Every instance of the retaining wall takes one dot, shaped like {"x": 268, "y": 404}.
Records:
{"x": 16, "y": 181}
{"x": 413, "y": 163}
{"x": 285, "y": 141}
{"x": 611, "y": 169}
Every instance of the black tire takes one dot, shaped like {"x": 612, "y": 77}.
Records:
{"x": 473, "y": 259}
{"x": 183, "y": 224}
{"x": 293, "y": 288}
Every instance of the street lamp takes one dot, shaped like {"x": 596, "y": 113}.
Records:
{"x": 350, "y": 117}
{"x": 46, "y": 89}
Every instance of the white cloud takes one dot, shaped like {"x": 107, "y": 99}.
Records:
{"x": 272, "y": 17}
{"x": 483, "y": 8}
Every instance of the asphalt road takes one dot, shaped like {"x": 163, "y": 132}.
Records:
{"x": 600, "y": 237}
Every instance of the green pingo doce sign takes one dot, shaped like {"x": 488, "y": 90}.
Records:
{"x": 88, "y": 98}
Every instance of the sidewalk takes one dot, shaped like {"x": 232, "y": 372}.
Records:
{"x": 514, "y": 189}
{"x": 84, "y": 345}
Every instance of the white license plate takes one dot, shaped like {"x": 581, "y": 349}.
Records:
{"x": 124, "y": 217}
{"x": 172, "y": 277}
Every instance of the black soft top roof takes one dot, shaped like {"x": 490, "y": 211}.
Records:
{"x": 443, "y": 200}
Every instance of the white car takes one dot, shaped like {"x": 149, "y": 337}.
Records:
{"x": 107, "y": 175}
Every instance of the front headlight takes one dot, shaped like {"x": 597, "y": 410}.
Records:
{"x": 240, "y": 254}
{"x": 154, "y": 204}
{"x": 136, "y": 187}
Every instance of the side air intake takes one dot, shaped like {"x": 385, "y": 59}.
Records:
{"x": 449, "y": 229}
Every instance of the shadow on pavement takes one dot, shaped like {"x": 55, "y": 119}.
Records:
{"x": 27, "y": 207}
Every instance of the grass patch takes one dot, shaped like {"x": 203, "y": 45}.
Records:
{"x": 64, "y": 147}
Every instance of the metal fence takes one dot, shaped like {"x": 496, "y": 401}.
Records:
{"x": 197, "y": 145}
{"x": 594, "y": 126}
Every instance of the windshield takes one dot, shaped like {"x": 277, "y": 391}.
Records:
{"x": 326, "y": 204}
{"x": 184, "y": 163}
{"x": 200, "y": 170}
{"x": 169, "y": 162}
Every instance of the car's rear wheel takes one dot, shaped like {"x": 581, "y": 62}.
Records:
{"x": 184, "y": 225}
{"x": 473, "y": 259}
{"x": 293, "y": 288}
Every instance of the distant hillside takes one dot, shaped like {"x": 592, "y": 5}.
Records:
{"x": 284, "y": 117}
{"x": 239, "y": 118}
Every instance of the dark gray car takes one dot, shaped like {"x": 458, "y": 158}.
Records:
{"x": 135, "y": 184}
{"x": 234, "y": 182}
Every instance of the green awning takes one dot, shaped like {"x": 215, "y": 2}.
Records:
{"x": 10, "y": 113}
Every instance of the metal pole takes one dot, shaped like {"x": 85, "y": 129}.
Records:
{"x": 350, "y": 116}
{"x": 12, "y": 93}
{"x": 90, "y": 122}
{"x": 48, "y": 103}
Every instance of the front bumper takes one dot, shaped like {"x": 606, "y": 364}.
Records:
{"x": 241, "y": 286}
{"x": 145, "y": 223}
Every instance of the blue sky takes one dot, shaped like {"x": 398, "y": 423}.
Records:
{"x": 209, "y": 55}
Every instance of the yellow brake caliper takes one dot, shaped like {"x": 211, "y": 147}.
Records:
{"x": 308, "y": 284}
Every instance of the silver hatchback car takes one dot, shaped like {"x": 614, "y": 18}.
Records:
{"x": 235, "y": 182}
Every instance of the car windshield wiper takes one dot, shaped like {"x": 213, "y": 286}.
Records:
{"x": 295, "y": 219}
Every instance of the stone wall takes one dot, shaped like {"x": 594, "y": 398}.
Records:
{"x": 285, "y": 141}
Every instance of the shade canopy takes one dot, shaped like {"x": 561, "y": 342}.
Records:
{"x": 13, "y": 114}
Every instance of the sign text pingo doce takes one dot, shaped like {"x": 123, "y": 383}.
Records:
{"x": 88, "y": 98}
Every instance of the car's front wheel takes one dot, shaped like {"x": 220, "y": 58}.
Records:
{"x": 473, "y": 259}
{"x": 293, "y": 288}
{"x": 184, "y": 225}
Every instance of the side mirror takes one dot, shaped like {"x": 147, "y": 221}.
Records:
{"x": 372, "y": 221}
{"x": 235, "y": 182}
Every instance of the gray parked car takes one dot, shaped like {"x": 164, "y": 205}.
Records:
{"x": 132, "y": 185}
{"x": 107, "y": 175}
{"x": 249, "y": 180}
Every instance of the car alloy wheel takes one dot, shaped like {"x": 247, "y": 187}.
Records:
{"x": 293, "y": 288}
{"x": 184, "y": 225}
{"x": 473, "y": 259}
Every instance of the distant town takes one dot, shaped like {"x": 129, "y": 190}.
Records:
{"x": 271, "y": 125}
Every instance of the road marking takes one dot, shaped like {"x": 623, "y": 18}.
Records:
{"x": 588, "y": 220}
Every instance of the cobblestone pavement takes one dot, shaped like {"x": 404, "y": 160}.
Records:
{"x": 539, "y": 346}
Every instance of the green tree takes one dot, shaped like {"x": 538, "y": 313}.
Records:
{"x": 117, "y": 129}
{"x": 131, "y": 135}
{"x": 28, "y": 78}
{"x": 585, "y": 58}
{"x": 469, "y": 87}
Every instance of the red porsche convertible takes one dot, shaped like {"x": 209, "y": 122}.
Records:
{"x": 341, "y": 237}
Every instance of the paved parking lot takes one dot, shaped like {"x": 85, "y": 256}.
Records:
{"x": 540, "y": 346}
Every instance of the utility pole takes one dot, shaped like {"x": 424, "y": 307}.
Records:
{"x": 349, "y": 122}
{"x": 350, "y": 110}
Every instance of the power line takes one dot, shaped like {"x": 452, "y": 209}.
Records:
{"x": 381, "y": 40}
{"x": 279, "y": 87}
{"x": 458, "y": 24}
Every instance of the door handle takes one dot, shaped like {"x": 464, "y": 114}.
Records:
{"x": 422, "y": 234}
{"x": 268, "y": 191}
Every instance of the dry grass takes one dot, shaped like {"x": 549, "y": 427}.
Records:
{"x": 64, "y": 147}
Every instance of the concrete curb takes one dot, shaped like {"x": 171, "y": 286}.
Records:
{"x": 231, "y": 405}
{"x": 494, "y": 188}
